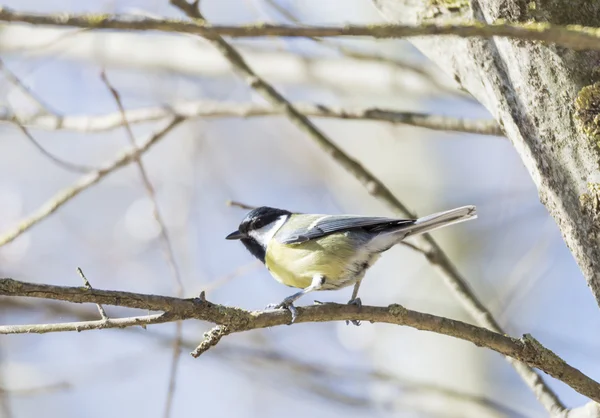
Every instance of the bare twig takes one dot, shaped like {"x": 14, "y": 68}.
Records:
{"x": 77, "y": 168}
{"x": 166, "y": 242}
{"x": 44, "y": 108}
{"x": 87, "y": 284}
{"x": 172, "y": 385}
{"x": 211, "y": 338}
{"x": 280, "y": 361}
{"x": 86, "y": 325}
{"x": 83, "y": 183}
{"x": 526, "y": 350}
{"x": 241, "y": 205}
{"x": 571, "y": 36}
{"x": 204, "y": 109}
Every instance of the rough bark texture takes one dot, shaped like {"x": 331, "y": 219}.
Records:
{"x": 543, "y": 96}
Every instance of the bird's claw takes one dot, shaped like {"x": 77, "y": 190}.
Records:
{"x": 285, "y": 304}
{"x": 358, "y": 303}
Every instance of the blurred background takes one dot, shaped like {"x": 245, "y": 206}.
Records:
{"x": 512, "y": 256}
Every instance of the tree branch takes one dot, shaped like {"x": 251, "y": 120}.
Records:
{"x": 132, "y": 50}
{"x": 67, "y": 165}
{"x": 86, "y": 325}
{"x": 572, "y": 36}
{"x": 204, "y": 109}
{"x": 286, "y": 364}
{"x": 43, "y": 107}
{"x": 527, "y": 349}
{"x": 83, "y": 183}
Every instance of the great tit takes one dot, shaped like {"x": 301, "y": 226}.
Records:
{"x": 328, "y": 252}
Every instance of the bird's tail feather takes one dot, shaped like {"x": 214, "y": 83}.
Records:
{"x": 441, "y": 219}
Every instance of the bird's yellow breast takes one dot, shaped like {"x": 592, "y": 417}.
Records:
{"x": 296, "y": 264}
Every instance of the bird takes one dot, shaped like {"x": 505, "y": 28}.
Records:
{"x": 315, "y": 252}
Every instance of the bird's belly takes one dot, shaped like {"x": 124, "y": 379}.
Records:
{"x": 304, "y": 261}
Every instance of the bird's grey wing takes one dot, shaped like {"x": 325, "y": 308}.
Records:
{"x": 330, "y": 224}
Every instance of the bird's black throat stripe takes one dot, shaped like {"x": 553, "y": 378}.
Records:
{"x": 255, "y": 248}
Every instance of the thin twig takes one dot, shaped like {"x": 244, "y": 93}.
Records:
{"x": 44, "y": 108}
{"x": 84, "y": 183}
{"x": 77, "y": 168}
{"x": 570, "y": 36}
{"x": 165, "y": 240}
{"x": 526, "y": 350}
{"x": 377, "y": 188}
{"x": 87, "y": 284}
{"x": 86, "y": 325}
{"x": 279, "y": 361}
{"x": 211, "y": 338}
{"x": 212, "y": 109}
{"x": 241, "y": 205}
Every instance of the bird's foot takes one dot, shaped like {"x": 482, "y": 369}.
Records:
{"x": 287, "y": 304}
{"x": 358, "y": 303}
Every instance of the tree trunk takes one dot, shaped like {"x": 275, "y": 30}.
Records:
{"x": 543, "y": 96}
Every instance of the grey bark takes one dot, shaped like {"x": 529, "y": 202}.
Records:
{"x": 531, "y": 89}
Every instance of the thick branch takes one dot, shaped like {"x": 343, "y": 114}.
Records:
{"x": 575, "y": 37}
{"x": 526, "y": 350}
{"x": 204, "y": 109}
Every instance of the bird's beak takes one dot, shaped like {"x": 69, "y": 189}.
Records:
{"x": 235, "y": 235}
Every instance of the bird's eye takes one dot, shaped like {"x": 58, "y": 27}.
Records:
{"x": 257, "y": 224}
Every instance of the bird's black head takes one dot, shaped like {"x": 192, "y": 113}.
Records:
{"x": 254, "y": 230}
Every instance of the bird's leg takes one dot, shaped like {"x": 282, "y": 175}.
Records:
{"x": 288, "y": 303}
{"x": 355, "y": 301}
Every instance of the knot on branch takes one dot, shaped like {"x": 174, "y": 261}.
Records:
{"x": 9, "y": 286}
{"x": 538, "y": 354}
{"x": 397, "y": 310}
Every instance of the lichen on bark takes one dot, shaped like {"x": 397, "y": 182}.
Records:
{"x": 587, "y": 112}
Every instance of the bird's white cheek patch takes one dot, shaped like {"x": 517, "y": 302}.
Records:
{"x": 266, "y": 233}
